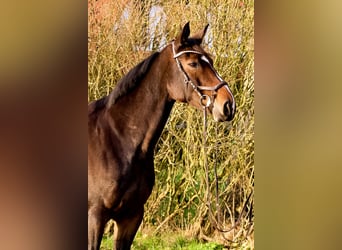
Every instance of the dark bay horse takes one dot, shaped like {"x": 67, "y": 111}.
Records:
{"x": 124, "y": 127}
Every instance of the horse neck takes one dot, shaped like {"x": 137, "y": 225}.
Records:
{"x": 141, "y": 115}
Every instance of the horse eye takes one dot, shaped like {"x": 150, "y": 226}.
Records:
{"x": 193, "y": 64}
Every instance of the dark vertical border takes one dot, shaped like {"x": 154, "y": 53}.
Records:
{"x": 43, "y": 110}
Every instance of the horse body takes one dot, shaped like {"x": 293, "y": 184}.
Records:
{"x": 123, "y": 129}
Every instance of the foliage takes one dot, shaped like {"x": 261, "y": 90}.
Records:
{"x": 118, "y": 39}
{"x": 173, "y": 241}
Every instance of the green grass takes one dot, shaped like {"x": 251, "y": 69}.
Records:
{"x": 166, "y": 241}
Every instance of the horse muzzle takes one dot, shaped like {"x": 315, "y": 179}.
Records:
{"x": 224, "y": 113}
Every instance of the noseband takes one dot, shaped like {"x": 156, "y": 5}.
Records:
{"x": 205, "y": 100}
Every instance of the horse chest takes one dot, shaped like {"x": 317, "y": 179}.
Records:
{"x": 142, "y": 179}
{"x": 134, "y": 186}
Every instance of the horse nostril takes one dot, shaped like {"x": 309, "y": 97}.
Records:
{"x": 226, "y": 108}
{"x": 229, "y": 110}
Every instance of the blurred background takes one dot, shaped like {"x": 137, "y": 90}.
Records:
{"x": 43, "y": 131}
{"x": 298, "y": 152}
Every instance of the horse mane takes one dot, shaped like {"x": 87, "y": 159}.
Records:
{"x": 131, "y": 79}
{"x": 94, "y": 106}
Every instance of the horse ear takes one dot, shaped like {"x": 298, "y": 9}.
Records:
{"x": 184, "y": 35}
{"x": 200, "y": 35}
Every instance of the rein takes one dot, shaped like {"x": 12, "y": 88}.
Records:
{"x": 205, "y": 102}
{"x": 216, "y": 221}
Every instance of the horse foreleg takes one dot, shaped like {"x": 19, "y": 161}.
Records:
{"x": 96, "y": 224}
{"x": 125, "y": 231}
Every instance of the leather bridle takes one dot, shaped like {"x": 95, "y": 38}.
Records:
{"x": 205, "y": 100}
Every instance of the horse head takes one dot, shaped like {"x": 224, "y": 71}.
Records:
{"x": 195, "y": 80}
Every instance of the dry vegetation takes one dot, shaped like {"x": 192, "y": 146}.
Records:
{"x": 178, "y": 201}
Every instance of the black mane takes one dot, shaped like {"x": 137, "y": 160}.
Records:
{"x": 97, "y": 105}
{"x": 131, "y": 79}
{"x": 125, "y": 85}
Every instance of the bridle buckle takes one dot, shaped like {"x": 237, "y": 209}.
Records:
{"x": 205, "y": 101}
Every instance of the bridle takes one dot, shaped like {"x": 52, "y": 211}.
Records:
{"x": 205, "y": 100}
